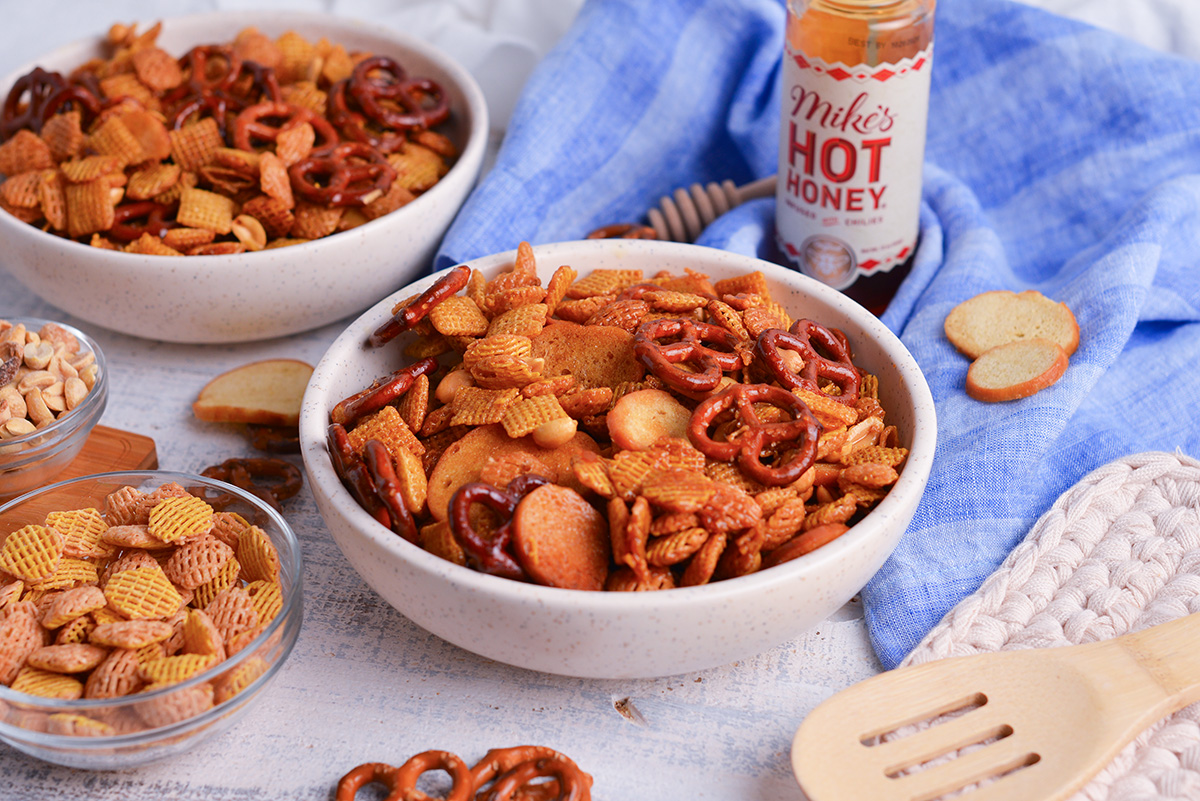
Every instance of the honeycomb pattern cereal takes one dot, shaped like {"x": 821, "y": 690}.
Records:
{"x": 257, "y": 556}
{"x": 115, "y": 677}
{"x": 31, "y": 552}
{"x": 47, "y": 684}
{"x": 198, "y": 562}
{"x": 131, "y": 634}
{"x": 71, "y": 658}
{"x": 81, "y": 530}
{"x": 178, "y": 519}
{"x": 174, "y": 669}
{"x": 142, "y": 593}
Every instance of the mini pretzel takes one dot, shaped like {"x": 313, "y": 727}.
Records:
{"x": 72, "y": 94}
{"x": 836, "y": 368}
{"x": 799, "y": 433}
{"x": 384, "y": 391}
{"x": 264, "y": 80}
{"x": 379, "y": 78}
{"x": 661, "y": 359}
{"x": 274, "y": 439}
{"x": 354, "y": 474}
{"x": 404, "y": 319}
{"x": 216, "y": 104}
{"x": 42, "y": 86}
{"x": 499, "y": 761}
{"x": 201, "y": 77}
{"x": 401, "y": 782}
{"x": 153, "y": 217}
{"x": 345, "y": 174}
{"x": 355, "y": 125}
{"x": 381, "y": 467}
{"x": 283, "y": 479}
{"x": 206, "y": 88}
{"x": 491, "y": 555}
{"x": 369, "y": 773}
{"x": 572, "y": 782}
{"x": 250, "y": 125}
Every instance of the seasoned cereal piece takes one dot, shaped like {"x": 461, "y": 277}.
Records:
{"x": 90, "y": 208}
{"x": 24, "y": 151}
{"x": 115, "y": 677}
{"x": 72, "y": 658}
{"x": 193, "y": 145}
{"x": 82, "y": 531}
{"x": 47, "y": 684}
{"x": 71, "y": 604}
{"x": 31, "y": 553}
{"x": 257, "y": 556}
{"x": 142, "y": 593}
{"x": 197, "y": 562}
{"x": 388, "y": 426}
{"x": 130, "y": 634}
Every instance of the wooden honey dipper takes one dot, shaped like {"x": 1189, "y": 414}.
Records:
{"x": 683, "y": 215}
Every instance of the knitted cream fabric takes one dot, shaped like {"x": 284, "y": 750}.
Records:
{"x": 1118, "y": 552}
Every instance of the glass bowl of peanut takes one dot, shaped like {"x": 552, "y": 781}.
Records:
{"x": 53, "y": 391}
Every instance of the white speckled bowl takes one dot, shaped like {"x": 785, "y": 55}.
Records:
{"x": 252, "y": 296}
{"x": 625, "y": 635}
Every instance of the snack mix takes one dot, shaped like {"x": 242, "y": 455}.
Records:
{"x": 615, "y": 431}
{"x": 252, "y": 144}
{"x": 44, "y": 375}
{"x": 144, "y": 594}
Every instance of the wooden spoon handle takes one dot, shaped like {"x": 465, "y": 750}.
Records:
{"x": 1170, "y": 652}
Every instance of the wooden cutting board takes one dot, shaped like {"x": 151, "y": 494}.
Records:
{"x": 109, "y": 449}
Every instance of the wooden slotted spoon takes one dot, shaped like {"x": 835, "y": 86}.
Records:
{"x": 1048, "y": 720}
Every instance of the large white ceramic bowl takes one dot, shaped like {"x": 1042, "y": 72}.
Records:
{"x": 271, "y": 293}
{"x": 611, "y": 634}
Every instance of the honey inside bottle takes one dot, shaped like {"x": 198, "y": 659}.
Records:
{"x": 866, "y": 32}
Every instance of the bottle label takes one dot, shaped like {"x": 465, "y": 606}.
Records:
{"x": 852, "y": 145}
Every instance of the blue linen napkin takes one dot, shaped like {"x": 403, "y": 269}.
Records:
{"x": 1059, "y": 158}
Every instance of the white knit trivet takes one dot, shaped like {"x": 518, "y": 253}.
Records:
{"x": 1118, "y": 552}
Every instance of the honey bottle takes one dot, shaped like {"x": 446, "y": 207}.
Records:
{"x": 852, "y": 141}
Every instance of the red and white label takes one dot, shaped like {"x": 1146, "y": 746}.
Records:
{"x": 851, "y": 149}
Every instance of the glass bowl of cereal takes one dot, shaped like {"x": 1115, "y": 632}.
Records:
{"x": 141, "y": 613}
{"x": 237, "y": 184}
{"x": 658, "y": 459}
{"x": 53, "y": 391}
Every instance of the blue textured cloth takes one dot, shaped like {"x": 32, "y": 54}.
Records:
{"x": 1059, "y": 158}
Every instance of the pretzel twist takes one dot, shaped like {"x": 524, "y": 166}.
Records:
{"x": 798, "y": 434}
{"x": 126, "y": 226}
{"x": 661, "y": 359}
{"x": 251, "y": 125}
{"x": 491, "y": 554}
{"x": 388, "y": 96}
{"x": 342, "y": 174}
{"x": 271, "y": 480}
{"x": 836, "y": 368}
